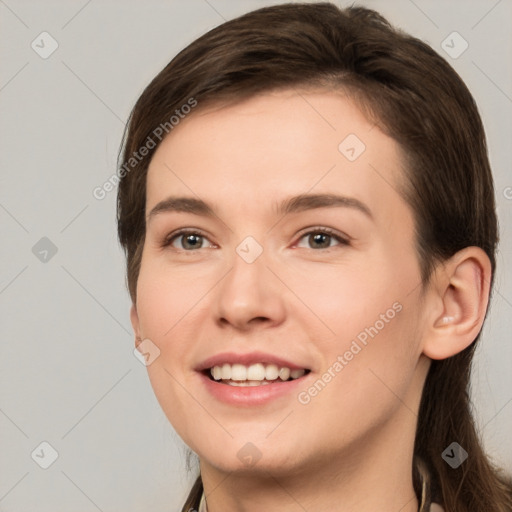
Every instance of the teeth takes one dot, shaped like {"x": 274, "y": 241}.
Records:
{"x": 216, "y": 372}
{"x": 256, "y": 372}
{"x": 247, "y": 383}
{"x": 238, "y": 372}
{"x": 271, "y": 372}
{"x": 284, "y": 373}
{"x": 295, "y": 374}
{"x": 253, "y": 375}
{"x": 226, "y": 371}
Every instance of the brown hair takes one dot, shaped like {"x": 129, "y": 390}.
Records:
{"x": 416, "y": 98}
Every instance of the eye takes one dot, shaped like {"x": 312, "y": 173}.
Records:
{"x": 321, "y": 238}
{"x": 190, "y": 240}
{"x": 187, "y": 239}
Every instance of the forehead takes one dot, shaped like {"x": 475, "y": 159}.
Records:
{"x": 276, "y": 145}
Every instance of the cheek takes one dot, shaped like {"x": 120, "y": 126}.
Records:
{"x": 372, "y": 346}
{"x": 346, "y": 297}
{"x": 366, "y": 377}
{"x": 165, "y": 306}
{"x": 166, "y": 300}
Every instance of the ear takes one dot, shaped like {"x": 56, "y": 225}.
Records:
{"x": 458, "y": 304}
{"x": 134, "y": 318}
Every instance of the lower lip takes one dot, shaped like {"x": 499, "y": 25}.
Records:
{"x": 251, "y": 395}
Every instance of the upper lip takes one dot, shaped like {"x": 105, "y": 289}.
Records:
{"x": 247, "y": 359}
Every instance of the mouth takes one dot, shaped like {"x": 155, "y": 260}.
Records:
{"x": 258, "y": 374}
{"x": 252, "y": 379}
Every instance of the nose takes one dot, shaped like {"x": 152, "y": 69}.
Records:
{"x": 250, "y": 296}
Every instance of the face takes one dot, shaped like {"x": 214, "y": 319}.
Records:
{"x": 277, "y": 246}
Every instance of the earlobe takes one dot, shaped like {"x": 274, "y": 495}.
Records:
{"x": 134, "y": 318}
{"x": 463, "y": 288}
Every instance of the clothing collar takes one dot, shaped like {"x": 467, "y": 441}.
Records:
{"x": 202, "y": 504}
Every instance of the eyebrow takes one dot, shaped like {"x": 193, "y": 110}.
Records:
{"x": 293, "y": 204}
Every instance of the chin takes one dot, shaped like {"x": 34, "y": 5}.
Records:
{"x": 256, "y": 467}
{"x": 247, "y": 458}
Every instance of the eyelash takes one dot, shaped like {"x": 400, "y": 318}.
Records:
{"x": 316, "y": 230}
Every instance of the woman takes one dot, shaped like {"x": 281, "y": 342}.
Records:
{"x": 307, "y": 210}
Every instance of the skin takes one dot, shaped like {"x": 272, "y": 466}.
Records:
{"x": 351, "y": 447}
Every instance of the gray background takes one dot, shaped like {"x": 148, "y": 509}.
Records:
{"x": 67, "y": 372}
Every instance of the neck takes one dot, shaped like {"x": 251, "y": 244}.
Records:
{"x": 374, "y": 474}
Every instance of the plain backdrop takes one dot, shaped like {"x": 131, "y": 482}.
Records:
{"x": 68, "y": 376}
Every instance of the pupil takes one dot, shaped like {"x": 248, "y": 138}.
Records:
{"x": 194, "y": 239}
{"x": 319, "y": 237}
